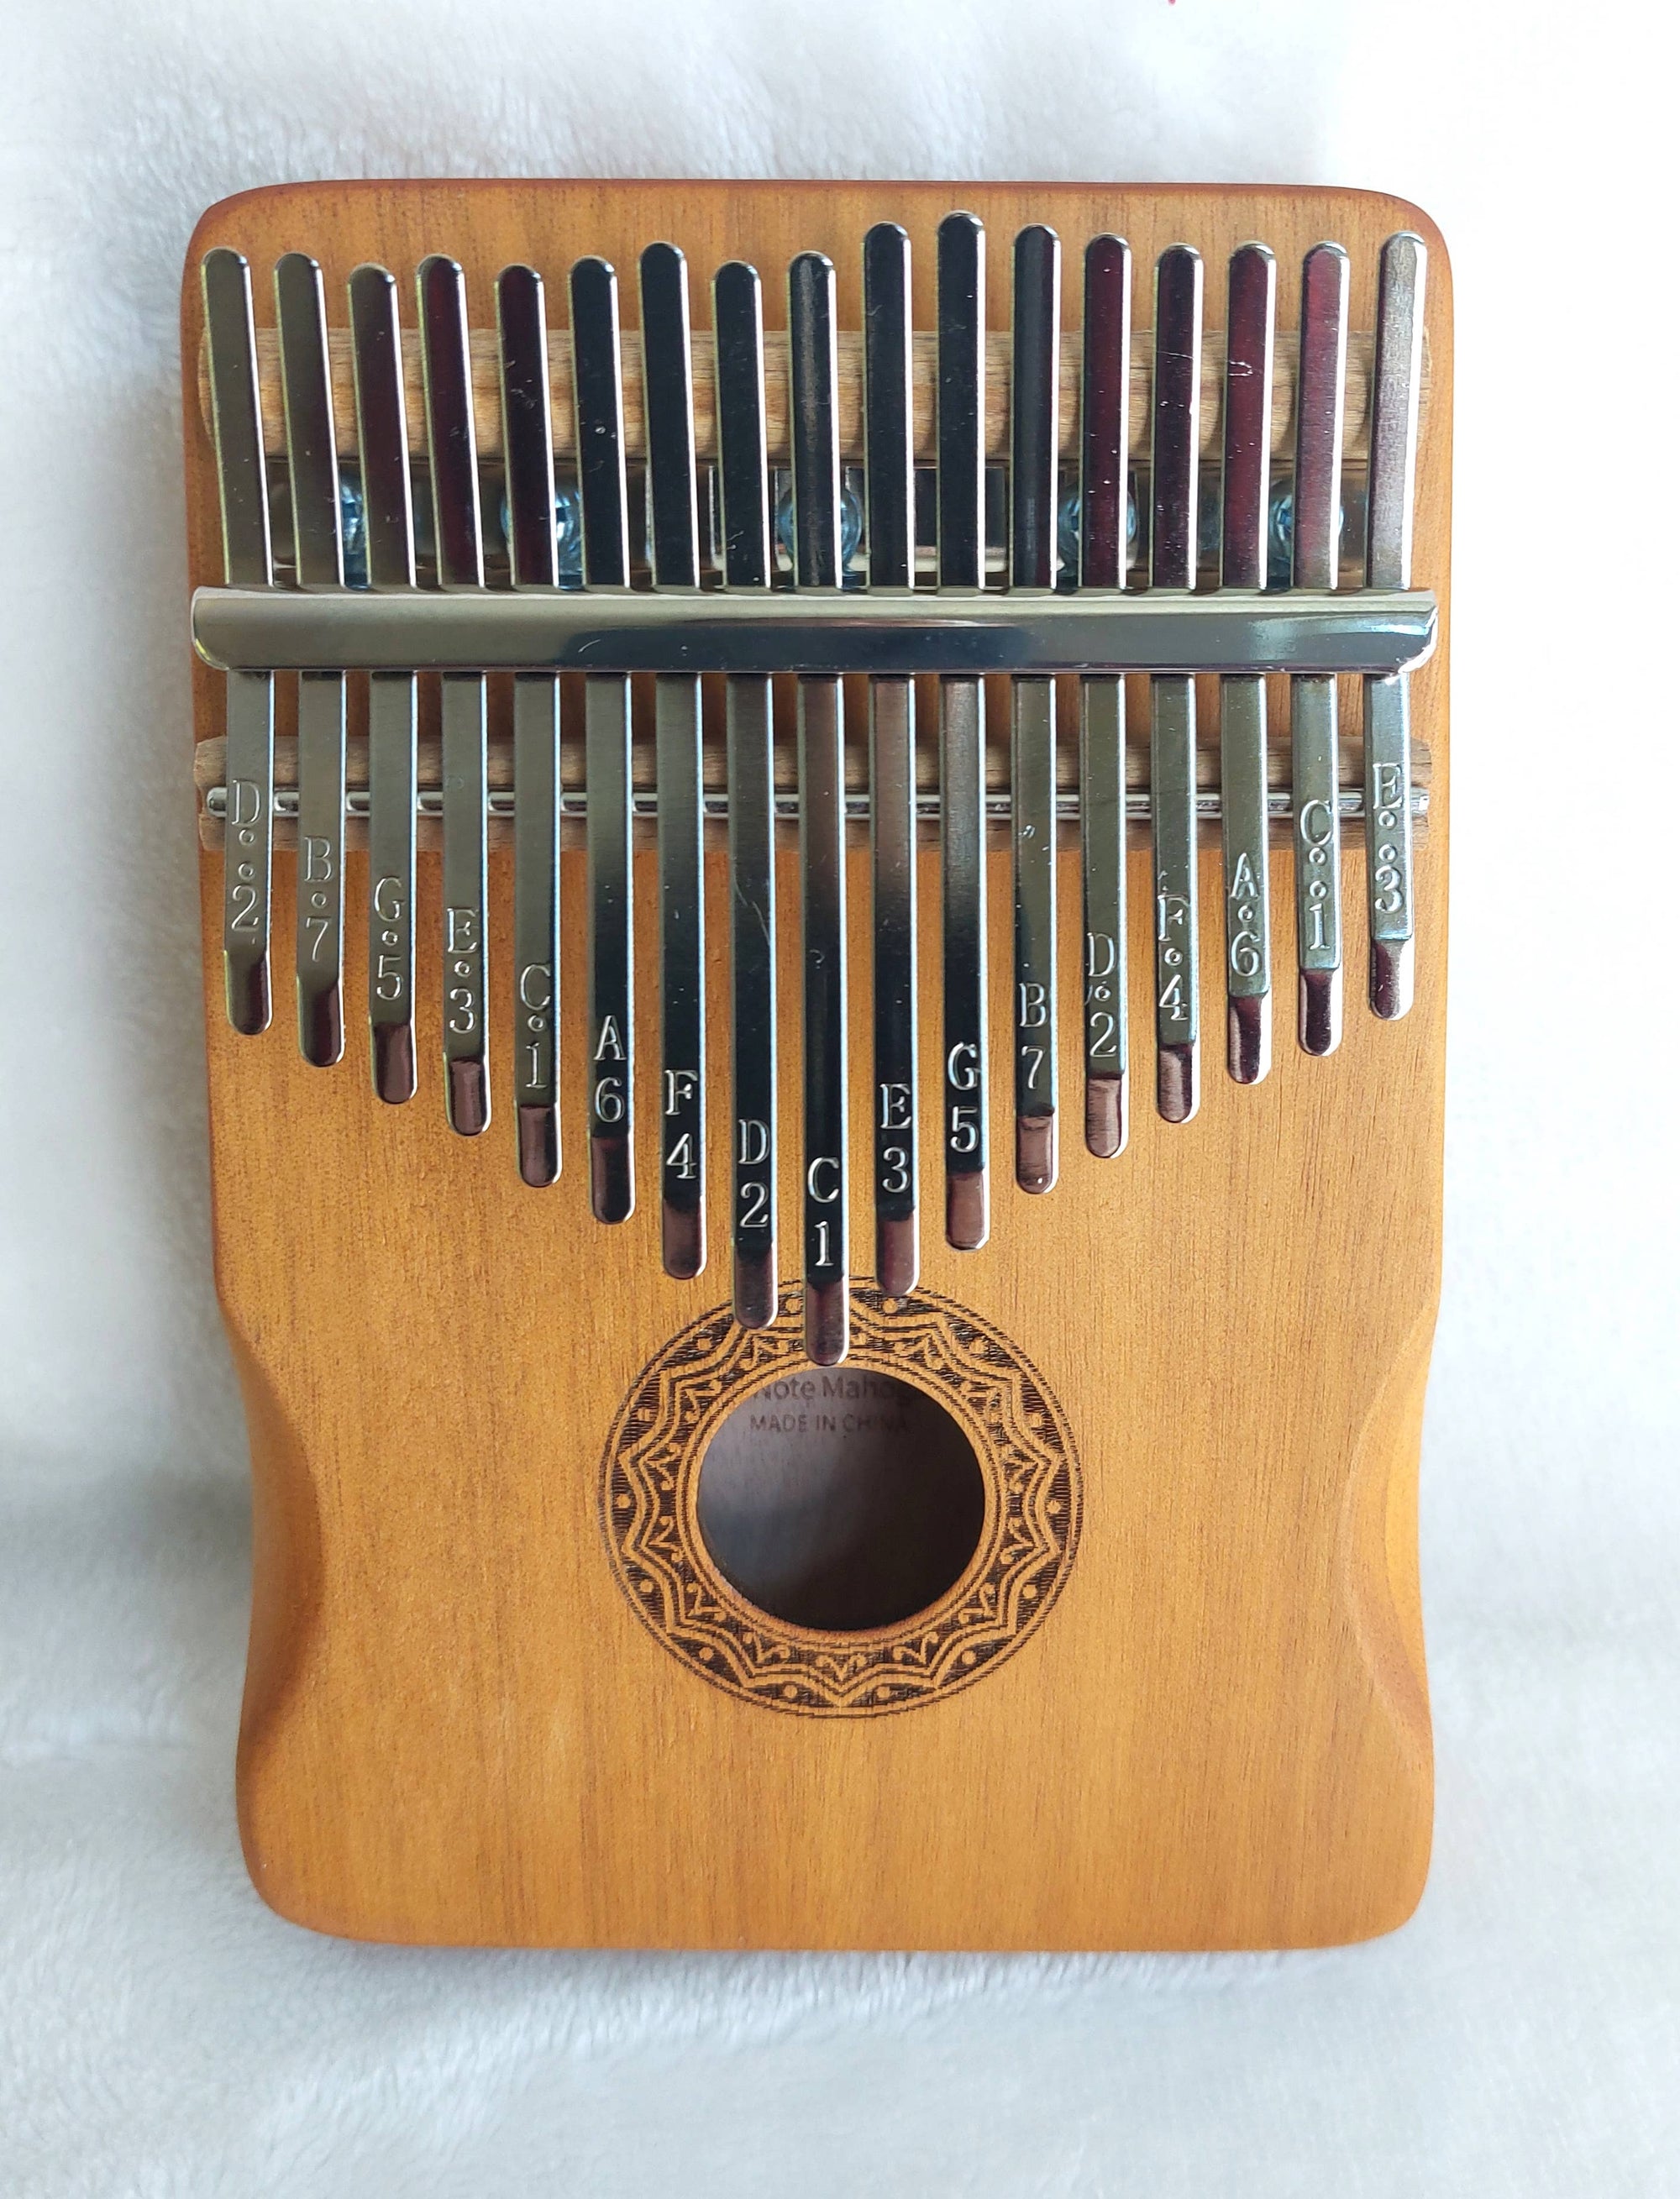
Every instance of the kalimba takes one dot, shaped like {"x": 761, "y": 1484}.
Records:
{"x": 797, "y": 1397}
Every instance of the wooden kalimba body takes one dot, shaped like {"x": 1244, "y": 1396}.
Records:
{"x": 781, "y": 1413}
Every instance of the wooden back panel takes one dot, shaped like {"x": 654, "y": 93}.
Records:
{"x": 458, "y": 1727}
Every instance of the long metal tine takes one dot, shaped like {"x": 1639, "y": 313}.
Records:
{"x": 1250, "y": 328}
{"x": 815, "y": 373}
{"x": 248, "y": 556}
{"x": 1172, "y": 742}
{"x": 890, "y": 482}
{"x": 382, "y": 432}
{"x": 312, "y": 459}
{"x": 962, "y": 729}
{"x": 1104, "y": 442}
{"x": 1388, "y": 564}
{"x": 668, "y": 376}
{"x": 743, "y": 475}
{"x": 527, "y": 443}
{"x": 598, "y": 389}
{"x": 1034, "y": 499}
{"x": 1312, "y": 702}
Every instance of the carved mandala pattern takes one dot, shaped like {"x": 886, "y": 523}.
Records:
{"x": 1020, "y": 1440}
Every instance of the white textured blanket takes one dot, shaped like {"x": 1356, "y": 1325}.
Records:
{"x": 159, "y": 2032}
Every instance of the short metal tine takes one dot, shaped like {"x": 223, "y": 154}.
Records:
{"x": 814, "y": 364}
{"x": 453, "y": 450}
{"x": 597, "y": 386}
{"x": 1104, "y": 442}
{"x": 381, "y": 433}
{"x": 528, "y": 444}
{"x": 668, "y": 376}
{"x": 1034, "y": 496}
{"x": 889, "y": 484}
{"x": 743, "y": 475}
{"x": 312, "y": 459}
{"x": 1175, "y": 448}
{"x": 1388, "y": 564}
{"x": 1321, "y": 380}
{"x": 242, "y": 474}
{"x": 1250, "y": 326}
{"x": 961, "y": 451}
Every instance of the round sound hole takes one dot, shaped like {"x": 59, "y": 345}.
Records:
{"x": 843, "y": 1501}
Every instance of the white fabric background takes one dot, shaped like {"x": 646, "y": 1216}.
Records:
{"x": 159, "y": 2032}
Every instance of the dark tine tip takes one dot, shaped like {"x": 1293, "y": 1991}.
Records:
{"x": 827, "y": 1325}
{"x": 682, "y": 1240}
{"x": 1321, "y": 1019}
{"x": 755, "y": 1289}
{"x": 393, "y": 1062}
{"x": 1105, "y": 1117}
{"x": 248, "y": 998}
{"x": 612, "y": 1191}
{"x": 966, "y": 1223}
{"x": 468, "y": 1094}
{"x": 538, "y": 1146}
{"x": 321, "y": 1028}
{"x": 1391, "y": 978}
{"x": 1248, "y": 1038}
{"x": 1177, "y": 1083}
{"x": 1035, "y": 1152}
{"x": 897, "y": 1255}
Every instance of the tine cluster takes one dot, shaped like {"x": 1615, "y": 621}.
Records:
{"x": 1095, "y": 524}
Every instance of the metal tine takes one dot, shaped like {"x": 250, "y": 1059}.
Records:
{"x": 668, "y": 375}
{"x": 1172, "y": 739}
{"x": 597, "y": 384}
{"x": 312, "y": 459}
{"x": 453, "y": 452}
{"x": 381, "y": 433}
{"x": 815, "y": 422}
{"x": 1388, "y": 564}
{"x": 1251, "y": 326}
{"x": 891, "y": 485}
{"x": 1322, "y": 377}
{"x": 1034, "y": 498}
{"x": 743, "y": 476}
{"x": 1104, "y": 442}
{"x": 248, "y": 561}
{"x": 527, "y": 441}
{"x": 962, "y": 450}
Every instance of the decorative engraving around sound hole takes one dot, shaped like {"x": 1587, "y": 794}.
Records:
{"x": 1027, "y": 1543}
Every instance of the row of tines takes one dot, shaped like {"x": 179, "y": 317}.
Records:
{"x": 744, "y": 491}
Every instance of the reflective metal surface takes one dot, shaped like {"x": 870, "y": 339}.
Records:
{"x": 1104, "y": 441}
{"x": 1251, "y": 323}
{"x": 528, "y": 444}
{"x": 961, "y": 440}
{"x": 667, "y": 377}
{"x": 890, "y": 482}
{"x": 1388, "y": 564}
{"x": 247, "y": 559}
{"x": 447, "y": 369}
{"x": 1312, "y": 702}
{"x": 1033, "y": 500}
{"x": 599, "y": 396}
{"x": 814, "y": 375}
{"x": 382, "y": 430}
{"x": 312, "y": 459}
{"x": 1175, "y": 448}
{"x": 737, "y": 317}
{"x": 961, "y": 635}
